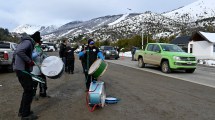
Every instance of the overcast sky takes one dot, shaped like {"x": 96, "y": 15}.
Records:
{"x": 58, "y": 12}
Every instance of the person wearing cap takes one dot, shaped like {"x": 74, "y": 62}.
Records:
{"x": 23, "y": 65}
{"x": 90, "y": 54}
{"x": 38, "y": 55}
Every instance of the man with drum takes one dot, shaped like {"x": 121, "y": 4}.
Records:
{"x": 38, "y": 56}
{"x": 89, "y": 55}
{"x": 23, "y": 66}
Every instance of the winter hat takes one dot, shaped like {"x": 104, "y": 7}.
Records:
{"x": 36, "y": 37}
{"x": 90, "y": 42}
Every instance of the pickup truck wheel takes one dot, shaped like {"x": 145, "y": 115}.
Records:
{"x": 141, "y": 63}
{"x": 165, "y": 67}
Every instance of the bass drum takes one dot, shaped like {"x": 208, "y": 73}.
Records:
{"x": 98, "y": 68}
{"x": 97, "y": 93}
{"x": 52, "y": 67}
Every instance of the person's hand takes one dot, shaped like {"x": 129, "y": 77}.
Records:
{"x": 40, "y": 53}
{"x": 31, "y": 63}
{"x": 84, "y": 51}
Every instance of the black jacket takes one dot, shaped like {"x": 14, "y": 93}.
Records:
{"x": 69, "y": 53}
{"x": 90, "y": 56}
{"x": 62, "y": 50}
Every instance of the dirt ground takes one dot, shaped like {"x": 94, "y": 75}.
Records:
{"x": 143, "y": 96}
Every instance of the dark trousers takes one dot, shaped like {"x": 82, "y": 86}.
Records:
{"x": 70, "y": 65}
{"x": 132, "y": 57}
{"x": 64, "y": 61}
{"x": 27, "y": 96}
{"x": 83, "y": 64}
{"x": 89, "y": 78}
{"x": 42, "y": 86}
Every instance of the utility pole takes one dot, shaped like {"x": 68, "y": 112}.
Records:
{"x": 142, "y": 37}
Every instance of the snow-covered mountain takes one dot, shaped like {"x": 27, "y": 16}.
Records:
{"x": 198, "y": 10}
{"x": 197, "y": 15}
{"x": 147, "y": 23}
{"x": 30, "y": 29}
{"x": 76, "y": 28}
{"x": 48, "y": 29}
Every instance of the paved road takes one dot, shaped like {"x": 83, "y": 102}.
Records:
{"x": 144, "y": 96}
{"x": 203, "y": 75}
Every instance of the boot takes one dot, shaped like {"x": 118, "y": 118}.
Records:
{"x": 30, "y": 117}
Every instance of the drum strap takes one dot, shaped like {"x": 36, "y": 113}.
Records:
{"x": 39, "y": 79}
{"x": 88, "y": 62}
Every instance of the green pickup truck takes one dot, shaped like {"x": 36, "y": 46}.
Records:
{"x": 167, "y": 56}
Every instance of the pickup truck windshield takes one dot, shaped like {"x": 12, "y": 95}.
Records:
{"x": 5, "y": 45}
{"x": 171, "y": 48}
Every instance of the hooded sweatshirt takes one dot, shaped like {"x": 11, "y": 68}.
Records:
{"x": 23, "y": 54}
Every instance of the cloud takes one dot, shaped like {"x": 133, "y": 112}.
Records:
{"x": 48, "y": 12}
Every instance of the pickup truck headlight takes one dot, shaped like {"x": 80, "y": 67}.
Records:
{"x": 107, "y": 52}
{"x": 176, "y": 58}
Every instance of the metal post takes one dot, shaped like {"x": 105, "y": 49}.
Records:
{"x": 142, "y": 36}
{"x": 147, "y": 38}
{"x": 142, "y": 39}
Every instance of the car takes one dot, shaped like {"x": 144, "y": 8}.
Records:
{"x": 51, "y": 46}
{"x": 109, "y": 52}
{"x": 168, "y": 57}
{"x": 45, "y": 47}
{"x": 6, "y": 55}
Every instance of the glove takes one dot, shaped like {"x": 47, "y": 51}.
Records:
{"x": 31, "y": 63}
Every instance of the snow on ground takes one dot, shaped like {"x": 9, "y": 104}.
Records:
{"x": 203, "y": 62}
{"x": 207, "y": 62}
{"x": 125, "y": 54}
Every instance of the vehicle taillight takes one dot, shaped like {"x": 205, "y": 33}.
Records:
{"x": 6, "y": 56}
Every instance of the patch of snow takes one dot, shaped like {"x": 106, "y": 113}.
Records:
{"x": 125, "y": 54}
{"x": 119, "y": 20}
{"x": 207, "y": 62}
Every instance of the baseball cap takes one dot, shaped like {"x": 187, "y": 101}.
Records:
{"x": 92, "y": 42}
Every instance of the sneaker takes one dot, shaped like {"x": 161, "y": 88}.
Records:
{"x": 20, "y": 114}
{"x": 30, "y": 117}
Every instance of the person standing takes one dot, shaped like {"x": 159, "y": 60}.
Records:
{"x": 90, "y": 55}
{"x": 133, "y": 50}
{"x": 81, "y": 57}
{"x": 23, "y": 66}
{"x": 38, "y": 56}
{"x": 70, "y": 59}
{"x": 62, "y": 52}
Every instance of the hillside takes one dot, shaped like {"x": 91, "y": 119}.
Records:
{"x": 195, "y": 16}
